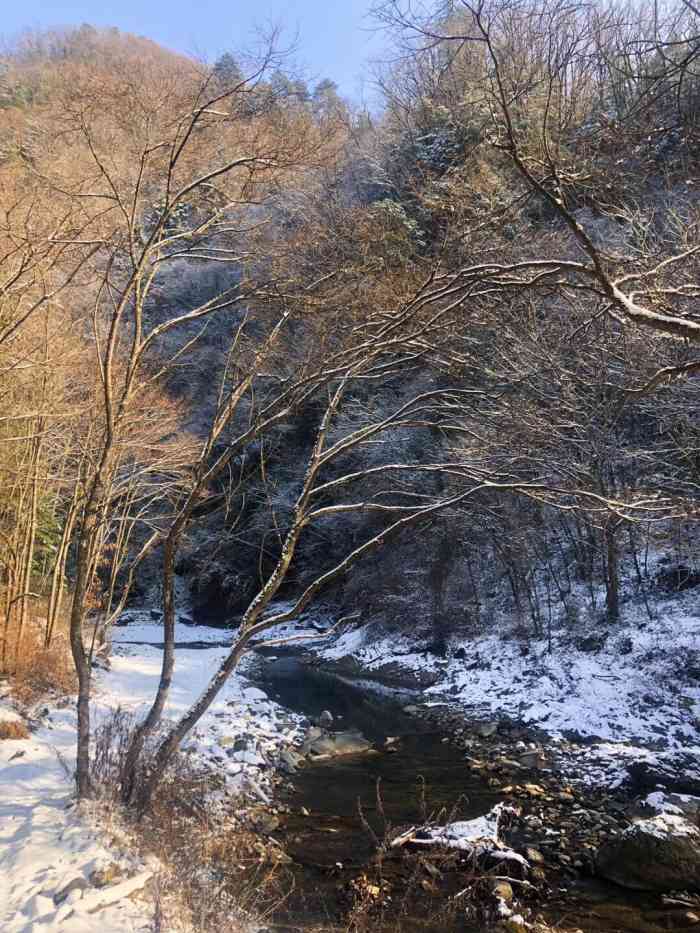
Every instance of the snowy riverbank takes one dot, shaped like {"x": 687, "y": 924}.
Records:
{"x": 47, "y": 846}
{"x": 630, "y": 697}
{"x": 628, "y": 694}
{"x": 242, "y": 735}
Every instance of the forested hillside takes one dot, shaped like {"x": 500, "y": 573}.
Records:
{"x": 424, "y": 375}
{"x": 435, "y": 366}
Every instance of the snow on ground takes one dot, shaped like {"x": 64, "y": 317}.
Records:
{"x": 605, "y": 693}
{"x": 45, "y": 843}
{"x": 243, "y": 732}
{"x": 634, "y": 695}
{"x": 662, "y": 826}
{"x": 677, "y": 804}
{"x": 145, "y": 627}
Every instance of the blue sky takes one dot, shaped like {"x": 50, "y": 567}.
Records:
{"x": 333, "y": 36}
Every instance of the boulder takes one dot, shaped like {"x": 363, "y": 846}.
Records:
{"x": 254, "y": 695}
{"x": 676, "y": 772}
{"x": 679, "y": 804}
{"x": 337, "y": 743}
{"x": 289, "y": 761}
{"x": 246, "y": 756}
{"x": 657, "y": 854}
{"x": 486, "y": 729}
{"x": 315, "y": 732}
{"x": 325, "y": 720}
{"x": 534, "y": 759}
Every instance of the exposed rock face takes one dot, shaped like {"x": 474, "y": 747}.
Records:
{"x": 658, "y": 854}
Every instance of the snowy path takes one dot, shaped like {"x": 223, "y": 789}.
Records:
{"x": 45, "y": 844}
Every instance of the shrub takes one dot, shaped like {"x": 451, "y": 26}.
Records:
{"x": 39, "y": 671}
{"x": 13, "y": 729}
{"x": 216, "y": 874}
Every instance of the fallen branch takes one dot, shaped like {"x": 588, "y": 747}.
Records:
{"x": 404, "y": 837}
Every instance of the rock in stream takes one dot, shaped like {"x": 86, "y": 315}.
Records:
{"x": 331, "y": 744}
{"x": 657, "y": 854}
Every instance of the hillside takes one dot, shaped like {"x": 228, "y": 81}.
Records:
{"x": 272, "y": 365}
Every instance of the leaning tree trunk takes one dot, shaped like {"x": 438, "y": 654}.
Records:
{"x": 144, "y": 729}
{"x": 142, "y": 795}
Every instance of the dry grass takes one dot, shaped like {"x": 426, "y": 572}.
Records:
{"x": 13, "y": 729}
{"x": 38, "y": 671}
{"x": 217, "y": 874}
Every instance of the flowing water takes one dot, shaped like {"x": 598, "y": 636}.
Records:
{"x": 423, "y": 776}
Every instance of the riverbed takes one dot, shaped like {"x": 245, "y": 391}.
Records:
{"x": 342, "y": 809}
{"x": 432, "y": 771}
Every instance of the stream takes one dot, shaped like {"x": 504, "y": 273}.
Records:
{"x": 423, "y": 776}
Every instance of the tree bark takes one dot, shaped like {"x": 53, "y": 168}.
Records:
{"x": 612, "y": 572}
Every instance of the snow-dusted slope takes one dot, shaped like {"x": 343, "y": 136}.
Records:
{"x": 636, "y": 681}
{"x": 631, "y": 690}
